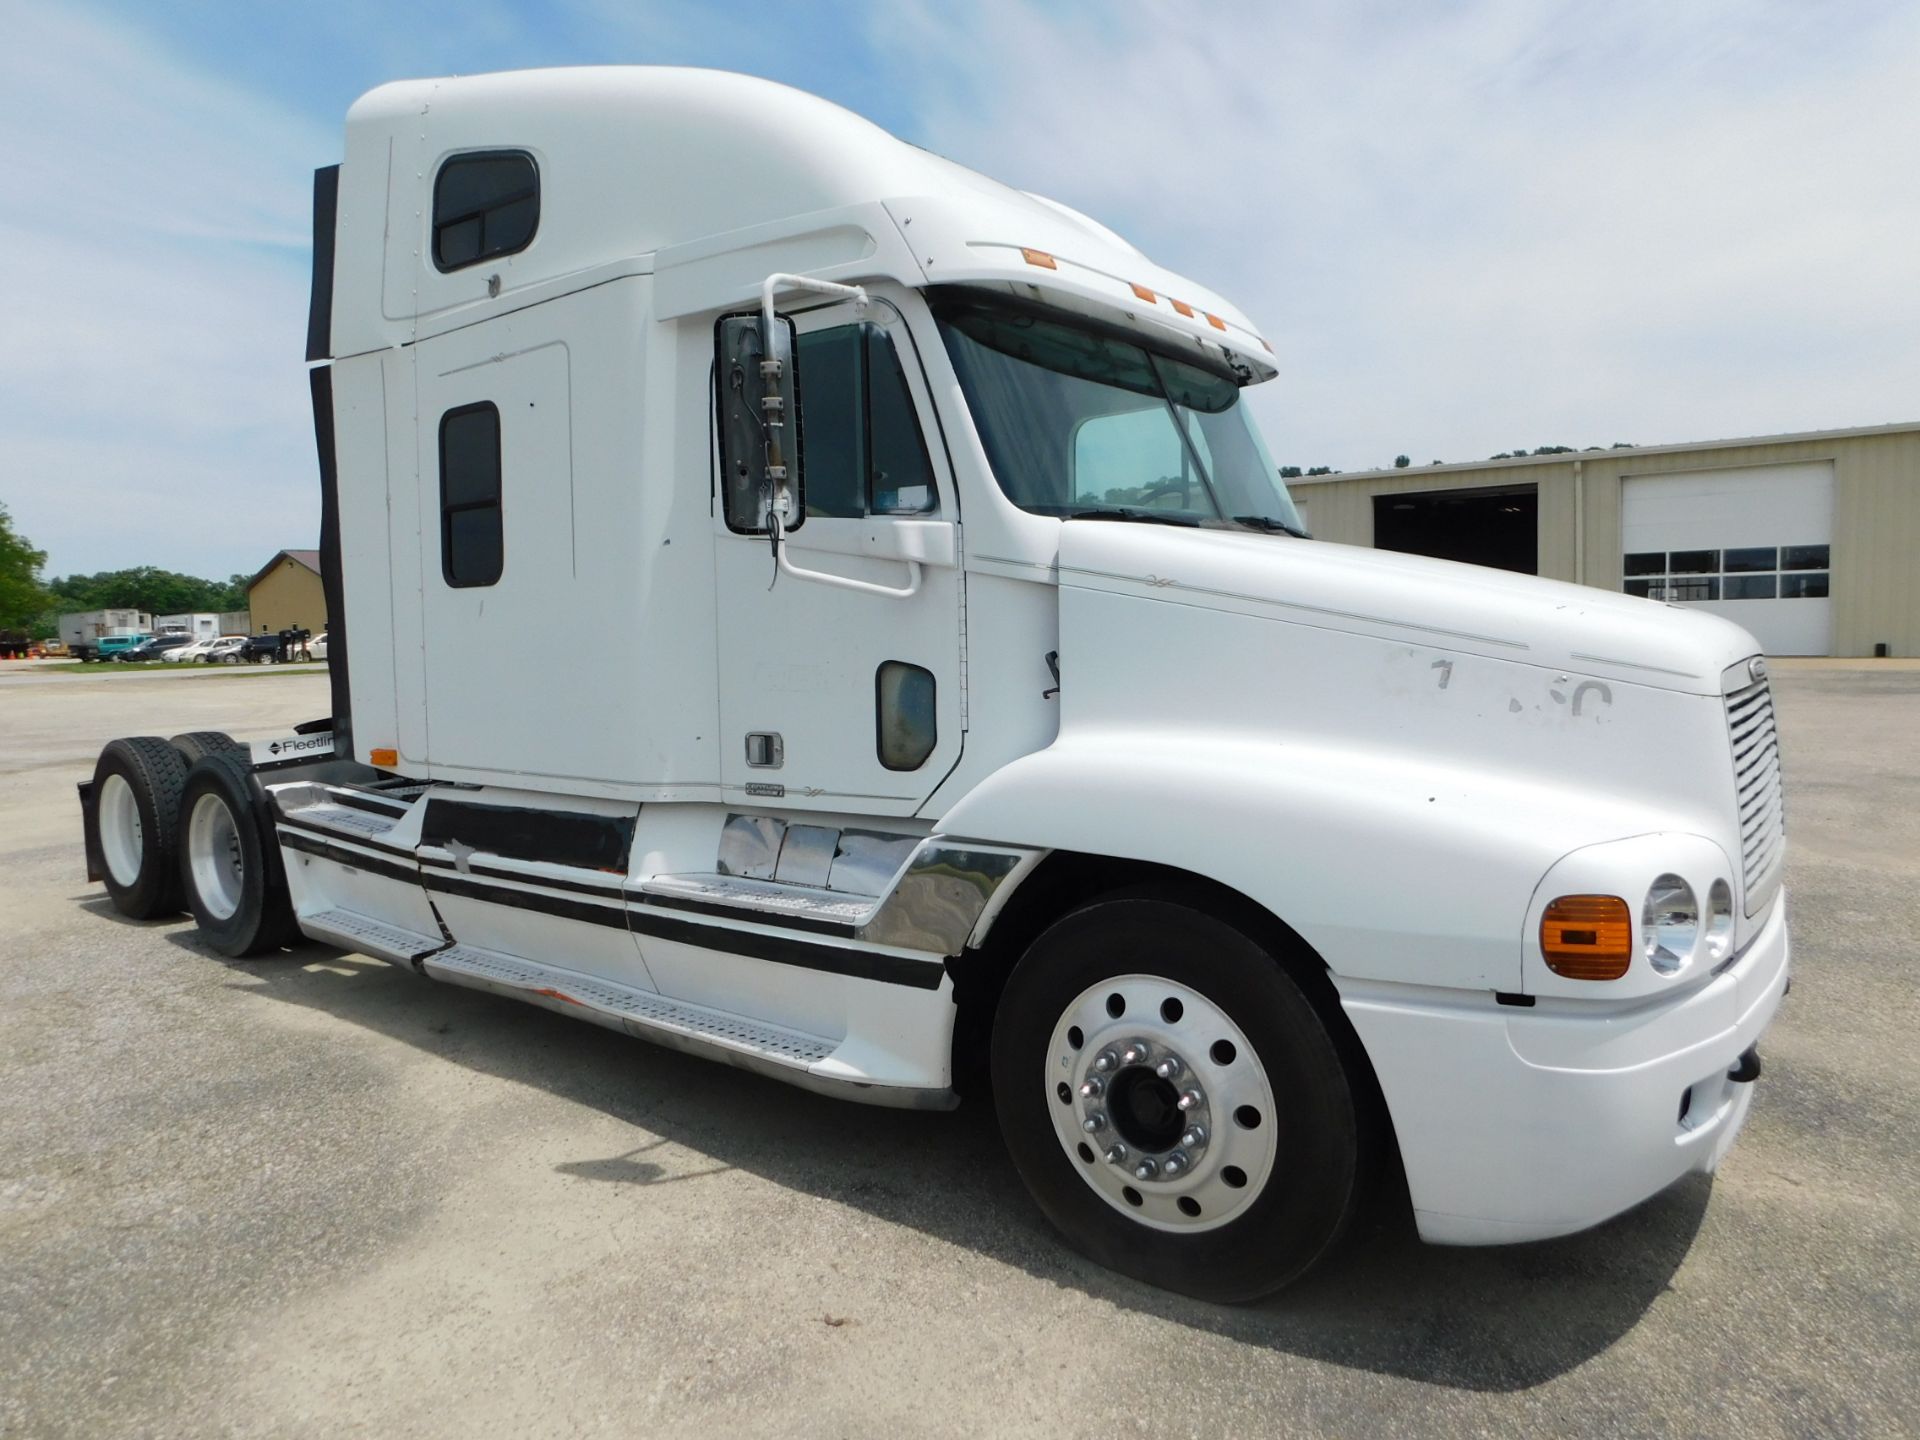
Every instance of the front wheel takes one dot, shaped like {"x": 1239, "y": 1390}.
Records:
{"x": 1175, "y": 1102}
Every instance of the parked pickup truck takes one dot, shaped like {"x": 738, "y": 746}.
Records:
{"x": 983, "y": 723}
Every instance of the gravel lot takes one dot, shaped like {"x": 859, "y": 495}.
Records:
{"x": 315, "y": 1195}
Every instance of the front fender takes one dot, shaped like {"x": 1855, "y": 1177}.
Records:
{"x": 1392, "y": 868}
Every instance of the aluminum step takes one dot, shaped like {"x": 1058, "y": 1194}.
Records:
{"x": 351, "y": 823}
{"x": 639, "y": 1012}
{"x": 758, "y": 899}
{"x": 351, "y": 930}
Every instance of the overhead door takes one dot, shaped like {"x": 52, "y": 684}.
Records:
{"x": 1751, "y": 544}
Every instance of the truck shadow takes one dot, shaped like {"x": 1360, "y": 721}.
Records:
{"x": 1476, "y": 1319}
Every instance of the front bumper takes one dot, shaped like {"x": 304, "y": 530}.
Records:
{"x": 1524, "y": 1123}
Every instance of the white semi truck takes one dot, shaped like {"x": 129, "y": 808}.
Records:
{"x": 976, "y": 718}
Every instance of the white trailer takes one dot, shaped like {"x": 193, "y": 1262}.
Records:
{"x": 972, "y": 717}
{"x": 83, "y": 631}
{"x": 201, "y": 625}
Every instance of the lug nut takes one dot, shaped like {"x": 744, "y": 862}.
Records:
{"x": 1170, "y": 1068}
{"x": 1176, "y": 1162}
{"x": 1116, "y": 1154}
{"x": 1105, "y": 1061}
{"x": 1095, "y": 1122}
{"x": 1194, "y": 1137}
{"x": 1191, "y": 1100}
{"x": 1138, "y": 1053}
{"x": 1093, "y": 1088}
{"x": 1146, "y": 1169}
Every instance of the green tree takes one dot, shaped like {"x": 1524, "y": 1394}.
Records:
{"x": 156, "y": 591}
{"x": 1289, "y": 472}
{"x": 22, "y": 596}
{"x": 1401, "y": 462}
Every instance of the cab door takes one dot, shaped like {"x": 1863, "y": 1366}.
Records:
{"x": 836, "y": 698}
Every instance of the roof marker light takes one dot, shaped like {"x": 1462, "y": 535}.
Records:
{"x": 1038, "y": 257}
{"x": 1145, "y": 294}
{"x": 1181, "y": 307}
{"x": 1265, "y": 346}
{"x": 1215, "y": 321}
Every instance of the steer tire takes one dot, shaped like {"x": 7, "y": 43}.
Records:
{"x": 197, "y": 743}
{"x": 136, "y": 795}
{"x": 230, "y": 867}
{"x": 1279, "y": 1169}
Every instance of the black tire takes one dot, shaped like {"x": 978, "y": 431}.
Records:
{"x": 141, "y": 872}
{"x": 255, "y": 915}
{"x": 196, "y": 743}
{"x": 1322, "y": 1138}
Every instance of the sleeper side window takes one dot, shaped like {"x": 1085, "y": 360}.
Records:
{"x": 484, "y": 204}
{"x": 864, "y": 451}
{"x": 472, "y": 550}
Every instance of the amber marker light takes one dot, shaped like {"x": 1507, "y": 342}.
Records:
{"x": 1038, "y": 257}
{"x": 383, "y": 759}
{"x": 1215, "y": 321}
{"x": 1587, "y": 937}
{"x": 1181, "y": 307}
{"x": 1141, "y": 292}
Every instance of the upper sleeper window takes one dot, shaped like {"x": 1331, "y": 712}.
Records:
{"x": 472, "y": 548}
{"x": 863, "y": 447}
{"x": 484, "y": 204}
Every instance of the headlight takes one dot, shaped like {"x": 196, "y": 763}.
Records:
{"x": 1719, "y": 921}
{"x": 1671, "y": 923}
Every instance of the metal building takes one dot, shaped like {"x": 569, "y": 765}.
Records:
{"x": 1809, "y": 541}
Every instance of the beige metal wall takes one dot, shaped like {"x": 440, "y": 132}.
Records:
{"x": 1876, "y": 515}
{"x": 288, "y": 597}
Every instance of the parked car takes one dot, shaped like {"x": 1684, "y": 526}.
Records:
{"x": 180, "y": 654}
{"x": 151, "y": 649}
{"x": 224, "y": 651}
{"x": 114, "y": 647}
{"x": 317, "y": 647}
{"x": 261, "y": 649}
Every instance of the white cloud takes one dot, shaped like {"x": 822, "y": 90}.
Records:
{"x": 1490, "y": 224}
{"x": 152, "y": 403}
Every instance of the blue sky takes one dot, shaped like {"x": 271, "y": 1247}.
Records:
{"x": 1467, "y": 226}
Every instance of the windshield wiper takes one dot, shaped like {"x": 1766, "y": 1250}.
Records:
{"x": 1270, "y": 525}
{"x": 1145, "y": 517}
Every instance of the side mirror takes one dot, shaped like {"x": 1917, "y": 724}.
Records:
{"x": 758, "y": 399}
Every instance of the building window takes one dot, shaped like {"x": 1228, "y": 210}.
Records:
{"x": 472, "y": 551}
{"x": 1755, "y": 572}
{"x": 484, "y": 205}
{"x": 863, "y": 450}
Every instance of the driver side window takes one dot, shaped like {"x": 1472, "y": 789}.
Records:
{"x": 860, "y": 439}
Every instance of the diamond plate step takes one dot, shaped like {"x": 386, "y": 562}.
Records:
{"x": 344, "y": 818}
{"x": 641, "y": 1012}
{"x": 351, "y": 930}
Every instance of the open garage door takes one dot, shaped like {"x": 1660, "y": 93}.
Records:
{"x": 1497, "y": 527}
{"x": 1751, "y": 544}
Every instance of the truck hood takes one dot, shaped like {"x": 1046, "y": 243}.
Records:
{"x": 1409, "y": 599}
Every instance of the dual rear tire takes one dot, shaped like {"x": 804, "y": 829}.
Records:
{"x": 182, "y": 824}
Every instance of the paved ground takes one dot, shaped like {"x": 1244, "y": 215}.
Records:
{"x": 317, "y": 1196}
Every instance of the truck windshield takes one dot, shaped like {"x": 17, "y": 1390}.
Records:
{"x": 1079, "y": 421}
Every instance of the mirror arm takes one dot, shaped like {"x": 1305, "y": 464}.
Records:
{"x": 781, "y": 501}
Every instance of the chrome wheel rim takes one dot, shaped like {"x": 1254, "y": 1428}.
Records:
{"x": 1161, "y": 1103}
{"x": 123, "y": 842}
{"x": 213, "y": 855}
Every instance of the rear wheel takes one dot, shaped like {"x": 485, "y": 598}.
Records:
{"x": 136, "y": 793}
{"x": 229, "y": 864}
{"x": 196, "y": 743}
{"x": 1175, "y": 1102}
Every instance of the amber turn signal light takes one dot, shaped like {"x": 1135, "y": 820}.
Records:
{"x": 383, "y": 759}
{"x": 1038, "y": 257}
{"x": 1587, "y": 937}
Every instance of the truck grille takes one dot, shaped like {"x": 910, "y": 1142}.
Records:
{"x": 1756, "y": 781}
